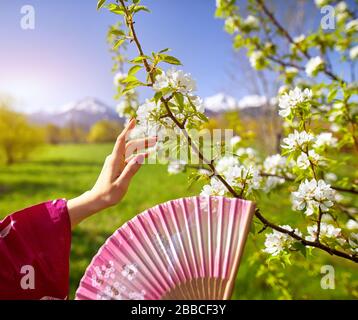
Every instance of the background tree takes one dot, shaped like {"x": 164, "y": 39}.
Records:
{"x": 53, "y": 134}
{"x": 104, "y": 131}
{"x": 17, "y": 137}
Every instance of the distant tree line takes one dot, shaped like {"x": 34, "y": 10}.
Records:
{"x": 19, "y": 137}
{"x": 101, "y": 132}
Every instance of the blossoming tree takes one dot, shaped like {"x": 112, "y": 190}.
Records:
{"x": 318, "y": 110}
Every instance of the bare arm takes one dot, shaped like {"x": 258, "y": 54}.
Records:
{"x": 112, "y": 184}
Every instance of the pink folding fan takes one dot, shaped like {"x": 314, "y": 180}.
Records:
{"x": 188, "y": 248}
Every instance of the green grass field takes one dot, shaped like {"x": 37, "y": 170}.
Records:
{"x": 68, "y": 170}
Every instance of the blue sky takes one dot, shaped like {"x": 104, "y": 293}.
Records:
{"x": 66, "y": 57}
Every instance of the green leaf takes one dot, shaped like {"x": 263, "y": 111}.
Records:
{"x": 253, "y": 228}
{"x": 158, "y": 96}
{"x": 202, "y": 117}
{"x": 132, "y": 71}
{"x": 116, "y": 9}
{"x": 302, "y": 248}
{"x": 117, "y": 32}
{"x": 136, "y": 1}
{"x": 118, "y": 43}
{"x": 129, "y": 79}
{"x": 139, "y": 59}
{"x": 132, "y": 85}
{"x": 179, "y": 100}
{"x": 141, "y": 8}
{"x": 164, "y": 50}
{"x": 169, "y": 59}
{"x": 100, "y": 4}
{"x": 331, "y": 95}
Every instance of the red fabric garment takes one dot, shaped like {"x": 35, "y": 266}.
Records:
{"x": 34, "y": 252}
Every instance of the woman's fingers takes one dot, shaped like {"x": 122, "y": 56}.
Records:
{"x": 120, "y": 147}
{"x": 130, "y": 170}
{"x": 139, "y": 144}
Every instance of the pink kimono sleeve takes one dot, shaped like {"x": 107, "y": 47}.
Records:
{"x": 34, "y": 252}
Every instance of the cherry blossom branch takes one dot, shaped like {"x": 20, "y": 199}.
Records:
{"x": 326, "y": 70}
{"x": 348, "y": 190}
{"x": 149, "y": 70}
{"x": 285, "y": 64}
{"x": 276, "y": 23}
{"x": 305, "y": 242}
{"x": 320, "y": 212}
{"x": 210, "y": 164}
{"x": 347, "y": 211}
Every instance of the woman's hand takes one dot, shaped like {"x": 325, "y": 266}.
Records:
{"x": 112, "y": 184}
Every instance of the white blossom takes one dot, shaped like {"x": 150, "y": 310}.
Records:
{"x": 204, "y": 172}
{"x": 337, "y": 111}
{"x": 144, "y": 111}
{"x": 326, "y": 217}
{"x": 352, "y": 224}
{"x": 352, "y": 26}
{"x": 230, "y": 25}
{"x": 324, "y": 108}
{"x": 326, "y": 231}
{"x": 330, "y": 176}
{"x": 147, "y": 126}
{"x": 243, "y": 177}
{"x": 338, "y": 197}
{"x": 321, "y": 3}
{"x": 197, "y": 102}
{"x": 276, "y": 242}
{"x": 251, "y": 22}
{"x": 341, "y": 6}
{"x": 304, "y": 160}
{"x": 292, "y": 99}
{"x": 235, "y": 140}
{"x": 256, "y": 59}
{"x": 246, "y": 155}
{"x": 219, "y": 3}
{"x": 297, "y": 140}
{"x": 299, "y": 38}
{"x": 272, "y": 182}
{"x": 325, "y": 139}
{"x": 312, "y": 195}
{"x": 291, "y": 71}
{"x": 353, "y": 242}
{"x": 176, "y": 166}
{"x": 314, "y": 65}
{"x": 118, "y": 77}
{"x": 215, "y": 188}
{"x": 297, "y": 41}
{"x": 225, "y": 163}
{"x": 340, "y": 47}
{"x": 175, "y": 80}
{"x": 353, "y": 53}
{"x": 342, "y": 16}
{"x": 121, "y": 107}
{"x": 275, "y": 164}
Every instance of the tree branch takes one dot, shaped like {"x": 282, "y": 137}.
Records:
{"x": 305, "y": 242}
{"x": 267, "y": 223}
{"x": 285, "y": 33}
{"x": 341, "y": 189}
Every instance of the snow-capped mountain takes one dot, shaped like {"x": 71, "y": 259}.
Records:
{"x": 84, "y": 113}
{"x": 220, "y": 103}
{"x": 250, "y": 105}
